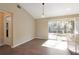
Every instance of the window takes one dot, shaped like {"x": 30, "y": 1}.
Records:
{"x": 61, "y": 27}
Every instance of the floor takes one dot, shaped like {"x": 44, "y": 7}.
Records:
{"x": 34, "y": 47}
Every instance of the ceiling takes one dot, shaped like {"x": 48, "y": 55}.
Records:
{"x": 51, "y": 9}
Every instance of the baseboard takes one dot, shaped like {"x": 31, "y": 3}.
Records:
{"x": 1, "y": 44}
{"x": 23, "y": 42}
{"x": 33, "y": 38}
{"x": 20, "y": 43}
{"x": 41, "y": 38}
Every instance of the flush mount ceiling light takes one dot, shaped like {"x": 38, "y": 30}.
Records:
{"x": 68, "y": 9}
{"x": 43, "y": 14}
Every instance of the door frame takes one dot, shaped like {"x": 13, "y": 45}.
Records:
{"x": 11, "y": 15}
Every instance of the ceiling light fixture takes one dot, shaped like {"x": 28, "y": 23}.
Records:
{"x": 68, "y": 9}
{"x": 43, "y": 14}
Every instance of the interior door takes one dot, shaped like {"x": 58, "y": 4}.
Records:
{"x": 7, "y": 30}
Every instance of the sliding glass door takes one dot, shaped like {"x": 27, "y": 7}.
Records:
{"x": 60, "y": 28}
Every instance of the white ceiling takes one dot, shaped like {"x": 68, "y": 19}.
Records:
{"x": 51, "y": 9}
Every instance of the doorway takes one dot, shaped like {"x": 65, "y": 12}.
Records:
{"x": 8, "y": 31}
{"x": 6, "y": 28}
{"x": 58, "y": 31}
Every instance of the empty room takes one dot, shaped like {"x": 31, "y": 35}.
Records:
{"x": 39, "y": 28}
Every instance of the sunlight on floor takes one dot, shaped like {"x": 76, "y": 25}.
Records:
{"x": 56, "y": 36}
{"x": 61, "y": 45}
{"x": 52, "y": 36}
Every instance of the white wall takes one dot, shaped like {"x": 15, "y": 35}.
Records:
{"x": 23, "y": 24}
{"x": 41, "y": 29}
{"x": 42, "y": 25}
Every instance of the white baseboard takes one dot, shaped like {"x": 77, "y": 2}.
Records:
{"x": 33, "y": 38}
{"x": 24, "y": 42}
{"x": 20, "y": 44}
{"x": 1, "y": 44}
{"x": 41, "y": 38}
